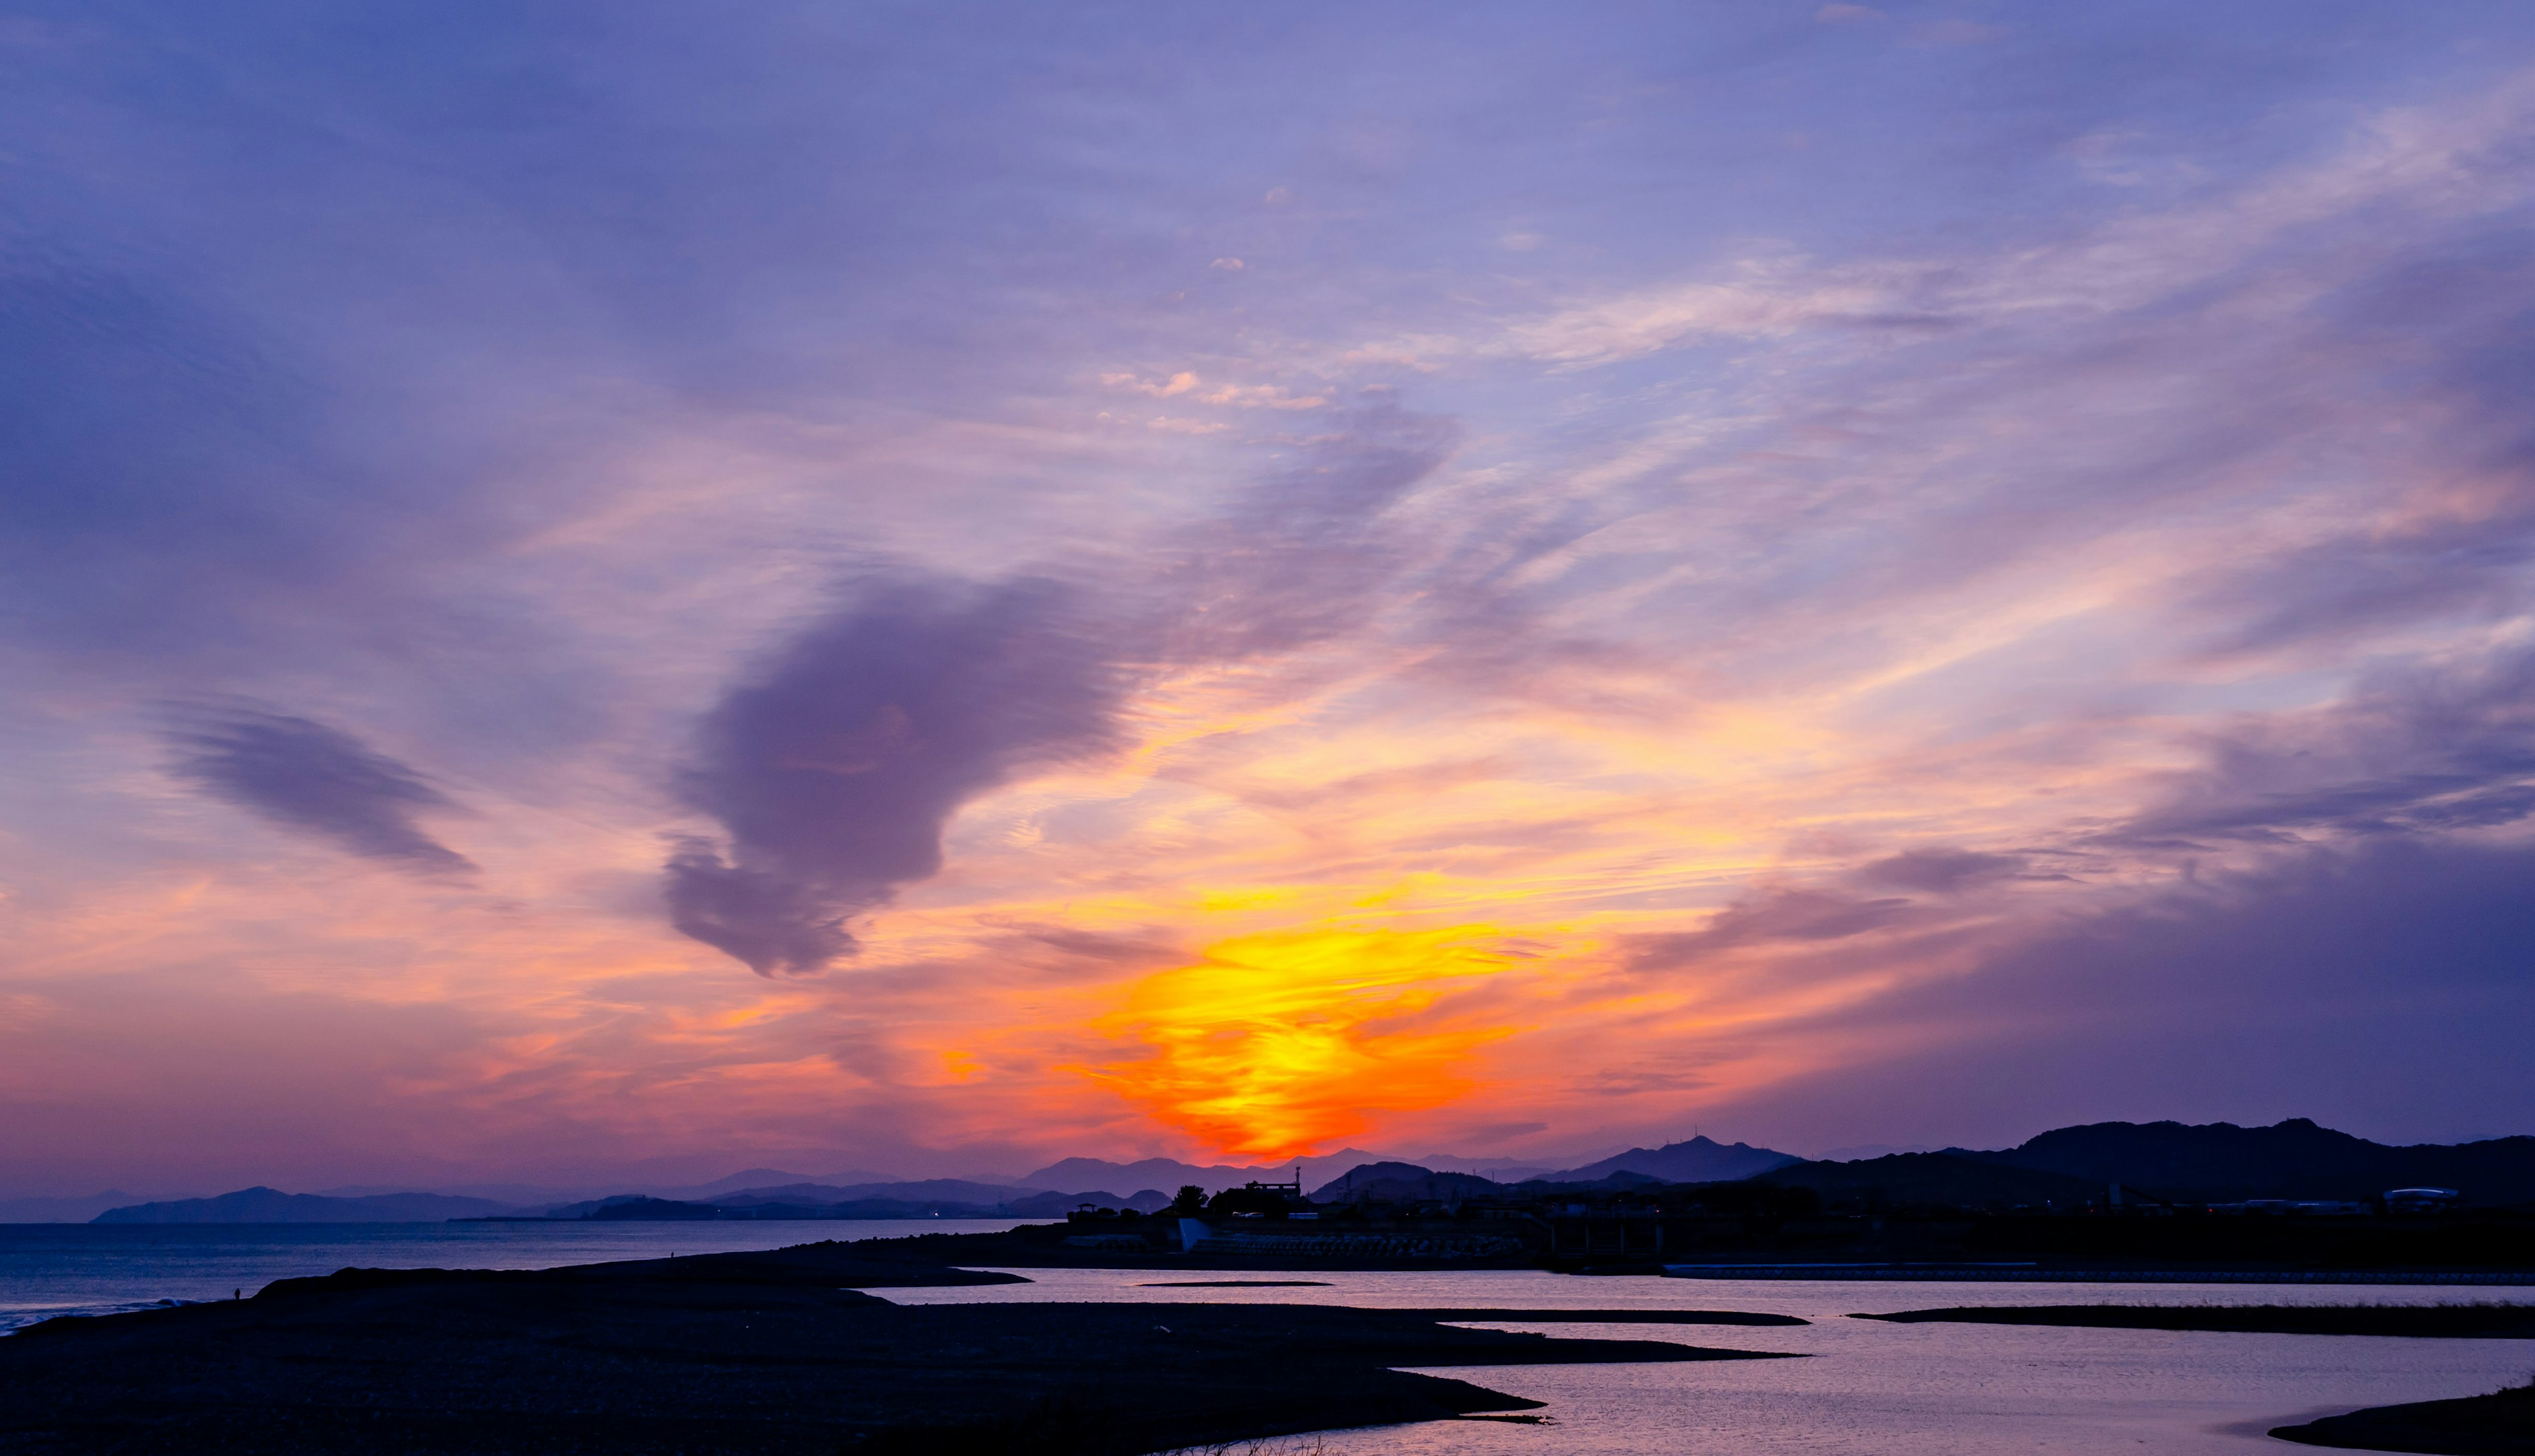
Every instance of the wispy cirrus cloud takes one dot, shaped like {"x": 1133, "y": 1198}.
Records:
{"x": 2417, "y": 750}
{"x": 2441, "y": 164}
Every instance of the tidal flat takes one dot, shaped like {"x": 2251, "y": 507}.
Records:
{"x": 778, "y": 1352}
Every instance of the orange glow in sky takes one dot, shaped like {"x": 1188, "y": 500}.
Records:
{"x": 1279, "y": 1044}
{"x": 1192, "y": 639}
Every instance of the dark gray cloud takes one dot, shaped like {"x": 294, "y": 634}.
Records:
{"x": 833, "y": 770}
{"x": 763, "y": 919}
{"x": 307, "y": 777}
{"x": 2412, "y": 750}
{"x": 1938, "y": 870}
{"x": 1784, "y": 914}
{"x": 2380, "y": 988}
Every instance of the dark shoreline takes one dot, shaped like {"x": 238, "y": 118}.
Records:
{"x": 764, "y": 1353}
{"x": 2413, "y": 1322}
{"x": 2500, "y": 1423}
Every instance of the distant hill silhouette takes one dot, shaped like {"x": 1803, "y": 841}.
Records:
{"x": 945, "y": 1197}
{"x": 260, "y": 1205}
{"x": 2180, "y": 1163}
{"x": 2294, "y": 1159}
{"x": 927, "y": 1198}
{"x": 651, "y": 1210}
{"x": 1171, "y": 1174}
{"x": 945, "y": 1191}
{"x": 1147, "y": 1173}
{"x": 933, "y": 1198}
{"x": 1058, "y": 1205}
{"x": 1401, "y": 1182}
{"x": 767, "y": 1178}
{"x": 1699, "y": 1160}
{"x": 63, "y": 1210}
{"x": 1944, "y": 1178}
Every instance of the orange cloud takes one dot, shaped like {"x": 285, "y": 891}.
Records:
{"x": 1281, "y": 1043}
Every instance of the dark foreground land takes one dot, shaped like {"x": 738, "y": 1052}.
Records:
{"x": 2424, "y": 1322}
{"x": 2501, "y": 1424}
{"x": 762, "y": 1353}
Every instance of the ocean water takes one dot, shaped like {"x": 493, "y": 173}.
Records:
{"x": 50, "y": 1269}
{"x": 1866, "y": 1389}
{"x": 1872, "y": 1389}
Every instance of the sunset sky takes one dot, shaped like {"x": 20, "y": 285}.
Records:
{"x": 597, "y": 588}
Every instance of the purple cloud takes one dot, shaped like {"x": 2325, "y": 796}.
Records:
{"x": 307, "y": 777}
{"x": 1784, "y": 914}
{"x": 2415, "y": 750}
{"x": 2381, "y": 989}
{"x": 1938, "y": 870}
{"x": 833, "y": 768}
{"x": 1303, "y": 554}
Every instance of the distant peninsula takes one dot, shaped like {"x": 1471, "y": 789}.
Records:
{"x": 273, "y": 1206}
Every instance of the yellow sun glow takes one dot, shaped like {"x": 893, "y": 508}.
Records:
{"x": 1280, "y": 1043}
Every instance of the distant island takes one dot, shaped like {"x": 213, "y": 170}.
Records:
{"x": 261, "y": 1205}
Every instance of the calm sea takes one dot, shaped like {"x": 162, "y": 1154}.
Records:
{"x": 1868, "y": 1389}
{"x": 1874, "y": 1389}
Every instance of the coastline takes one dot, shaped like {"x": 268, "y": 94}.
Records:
{"x": 2500, "y": 1424}
{"x": 777, "y": 1352}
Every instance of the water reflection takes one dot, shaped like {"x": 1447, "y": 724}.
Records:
{"x": 1885, "y": 1389}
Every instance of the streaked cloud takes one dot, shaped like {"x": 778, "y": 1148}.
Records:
{"x": 319, "y": 780}
{"x": 1869, "y": 545}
